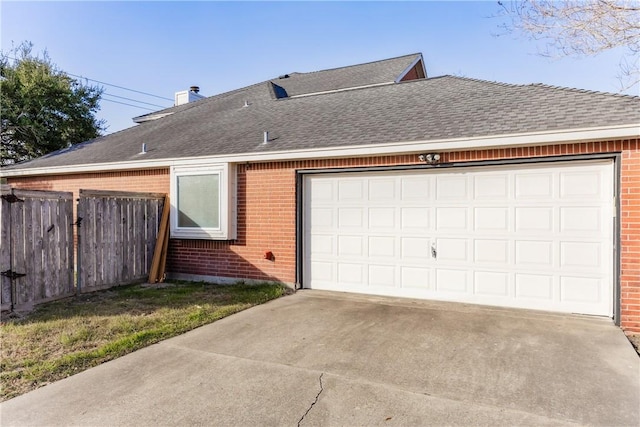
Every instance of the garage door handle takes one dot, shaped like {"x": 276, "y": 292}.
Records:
{"x": 434, "y": 253}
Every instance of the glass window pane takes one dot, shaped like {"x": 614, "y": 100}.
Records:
{"x": 199, "y": 201}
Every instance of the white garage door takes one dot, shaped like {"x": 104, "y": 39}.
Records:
{"x": 531, "y": 236}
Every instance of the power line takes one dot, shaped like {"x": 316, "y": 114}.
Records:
{"x": 134, "y": 100}
{"x": 120, "y": 87}
{"x": 130, "y": 105}
{"x": 107, "y": 84}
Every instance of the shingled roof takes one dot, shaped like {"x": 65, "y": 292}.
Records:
{"x": 432, "y": 109}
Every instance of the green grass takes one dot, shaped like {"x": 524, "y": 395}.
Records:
{"x": 65, "y": 337}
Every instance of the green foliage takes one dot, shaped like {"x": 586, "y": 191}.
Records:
{"x": 42, "y": 109}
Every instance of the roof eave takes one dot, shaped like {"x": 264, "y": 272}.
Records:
{"x": 608, "y": 133}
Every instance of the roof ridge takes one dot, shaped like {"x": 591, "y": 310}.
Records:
{"x": 202, "y": 100}
{"x": 543, "y": 85}
{"x": 589, "y": 91}
{"x": 356, "y": 65}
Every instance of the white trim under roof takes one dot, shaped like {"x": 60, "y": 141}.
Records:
{"x": 607, "y": 133}
{"x": 150, "y": 117}
{"x": 413, "y": 64}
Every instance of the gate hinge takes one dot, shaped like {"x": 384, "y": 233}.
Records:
{"x": 11, "y": 198}
{"x": 12, "y": 274}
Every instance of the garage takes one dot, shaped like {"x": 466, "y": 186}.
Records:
{"x": 533, "y": 235}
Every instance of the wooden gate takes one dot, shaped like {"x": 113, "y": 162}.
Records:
{"x": 36, "y": 247}
{"x": 117, "y": 234}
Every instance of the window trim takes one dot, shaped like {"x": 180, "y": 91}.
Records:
{"x": 227, "y": 202}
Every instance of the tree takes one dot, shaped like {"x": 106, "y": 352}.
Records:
{"x": 581, "y": 27}
{"x": 42, "y": 109}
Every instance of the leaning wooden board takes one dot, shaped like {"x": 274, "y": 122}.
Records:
{"x": 156, "y": 272}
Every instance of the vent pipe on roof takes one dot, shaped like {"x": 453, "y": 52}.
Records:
{"x": 266, "y": 137}
{"x": 144, "y": 148}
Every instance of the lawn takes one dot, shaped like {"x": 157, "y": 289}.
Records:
{"x": 63, "y": 338}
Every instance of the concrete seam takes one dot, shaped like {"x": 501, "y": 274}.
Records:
{"x": 314, "y": 401}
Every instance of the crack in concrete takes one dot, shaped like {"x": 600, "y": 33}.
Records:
{"x": 315, "y": 400}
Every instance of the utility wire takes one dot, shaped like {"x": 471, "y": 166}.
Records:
{"x": 120, "y": 87}
{"x": 130, "y": 105}
{"x": 134, "y": 100}
{"x": 107, "y": 84}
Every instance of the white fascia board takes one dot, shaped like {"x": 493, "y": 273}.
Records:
{"x": 413, "y": 64}
{"x": 608, "y": 133}
{"x": 151, "y": 117}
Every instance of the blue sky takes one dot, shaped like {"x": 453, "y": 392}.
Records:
{"x": 164, "y": 47}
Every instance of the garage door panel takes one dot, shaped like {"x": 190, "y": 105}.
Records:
{"x": 415, "y": 188}
{"x": 351, "y": 273}
{"x": 491, "y": 283}
{"x": 415, "y": 277}
{"x": 450, "y": 218}
{"x": 416, "y": 247}
{"x": 449, "y": 280}
{"x": 533, "y": 185}
{"x": 530, "y": 236}
{"x": 582, "y": 219}
{"x": 450, "y": 250}
{"x": 350, "y": 190}
{"x": 322, "y": 218}
{"x": 322, "y": 244}
{"x": 323, "y": 271}
{"x": 492, "y": 251}
{"x": 350, "y": 246}
{"x": 581, "y": 255}
{"x": 577, "y": 185}
{"x": 349, "y": 218}
{"x": 382, "y": 275}
{"x": 491, "y": 219}
{"x": 534, "y": 286}
{"x": 491, "y": 186}
{"x": 382, "y": 218}
{"x": 536, "y": 219}
{"x": 452, "y": 188}
{"x": 580, "y": 289}
{"x": 538, "y": 253}
{"x": 382, "y": 189}
{"x": 382, "y": 246}
{"x": 415, "y": 218}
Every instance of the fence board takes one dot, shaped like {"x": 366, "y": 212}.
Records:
{"x": 120, "y": 234}
{"x": 5, "y": 248}
{"x": 49, "y": 279}
{"x": 33, "y": 248}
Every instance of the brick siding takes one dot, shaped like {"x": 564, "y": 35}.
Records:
{"x": 266, "y": 212}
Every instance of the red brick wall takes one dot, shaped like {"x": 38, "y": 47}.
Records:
{"x": 266, "y": 213}
{"x": 148, "y": 181}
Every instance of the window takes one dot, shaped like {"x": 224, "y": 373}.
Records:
{"x": 203, "y": 202}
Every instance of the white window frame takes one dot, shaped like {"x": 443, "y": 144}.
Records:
{"x": 226, "y": 173}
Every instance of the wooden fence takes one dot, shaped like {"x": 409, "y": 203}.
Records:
{"x": 116, "y": 237}
{"x": 36, "y": 247}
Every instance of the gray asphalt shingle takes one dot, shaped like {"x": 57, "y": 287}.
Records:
{"x": 421, "y": 110}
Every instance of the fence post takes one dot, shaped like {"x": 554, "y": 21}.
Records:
{"x": 6, "y": 284}
{"x": 78, "y": 224}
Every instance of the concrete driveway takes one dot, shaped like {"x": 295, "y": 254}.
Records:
{"x": 317, "y": 358}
